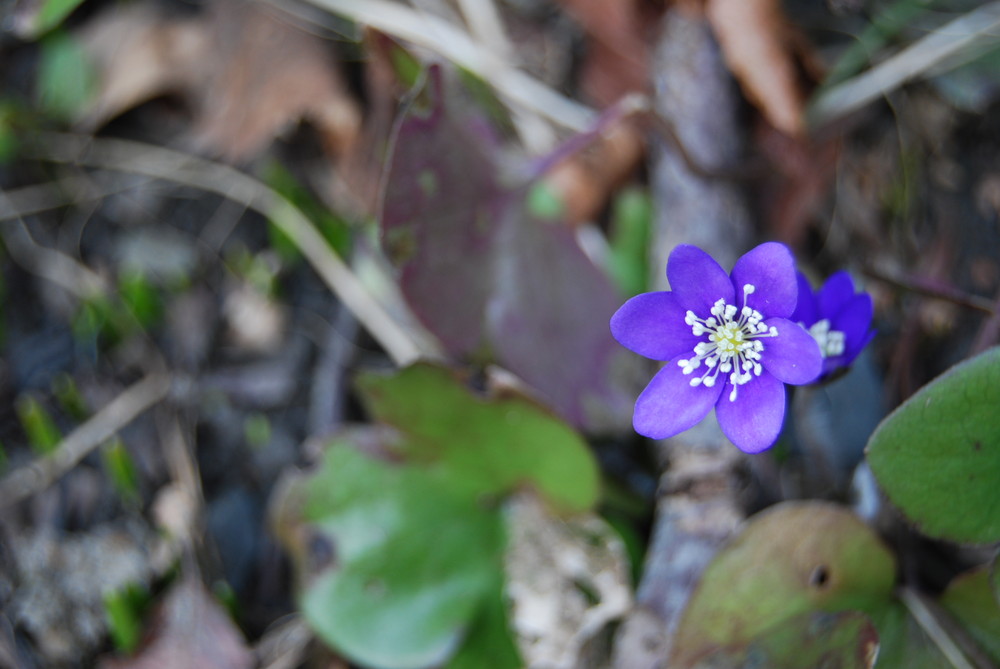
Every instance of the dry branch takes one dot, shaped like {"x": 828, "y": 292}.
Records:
{"x": 122, "y": 410}
{"x": 953, "y": 43}
{"x": 153, "y": 161}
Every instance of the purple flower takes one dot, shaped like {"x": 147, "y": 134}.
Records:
{"x": 728, "y": 343}
{"x": 837, "y": 317}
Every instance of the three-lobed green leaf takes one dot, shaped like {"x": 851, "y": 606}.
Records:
{"x": 414, "y": 572}
{"x": 492, "y": 445}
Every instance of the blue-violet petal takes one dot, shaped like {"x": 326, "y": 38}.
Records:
{"x": 652, "y": 325}
{"x": 793, "y": 356}
{"x": 697, "y": 280}
{"x": 753, "y": 422}
{"x": 770, "y": 269}
{"x": 669, "y": 404}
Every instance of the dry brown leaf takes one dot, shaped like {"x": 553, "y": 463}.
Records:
{"x": 269, "y": 75}
{"x": 140, "y": 54}
{"x": 246, "y": 73}
{"x": 757, "y": 41}
{"x": 357, "y": 184}
{"x": 617, "y": 57}
{"x": 585, "y": 180}
{"x": 189, "y": 630}
{"x": 799, "y": 185}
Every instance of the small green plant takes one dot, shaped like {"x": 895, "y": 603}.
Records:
{"x": 124, "y": 609}
{"x": 39, "y": 427}
{"x": 120, "y": 468}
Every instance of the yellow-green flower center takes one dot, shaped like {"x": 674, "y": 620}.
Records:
{"x": 733, "y": 345}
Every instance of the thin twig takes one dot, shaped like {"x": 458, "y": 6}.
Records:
{"x": 486, "y": 25}
{"x": 71, "y": 190}
{"x": 487, "y": 29}
{"x": 49, "y": 264}
{"x": 283, "y": 646}
{"x": 989, "y": 331}
{"x": 149, "y": 160}
{"x": 935, "y": 289}
{"x": 665, "y": 128}
{"x": 122, "y": 410}
{"x": 944, "y": 45}
{"x": 957, "y": 648}
{"x": 602, "y": 125}
{"x": 452, "y": 42}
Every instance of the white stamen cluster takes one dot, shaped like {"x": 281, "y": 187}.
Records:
{"x": 733, "y": 346}
{"x": 831, "y": 342}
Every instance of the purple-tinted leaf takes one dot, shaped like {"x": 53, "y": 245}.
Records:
{"x": 439, "y": 216}
{"x": 478, "y": 268}
{"x": 548, "y": 320}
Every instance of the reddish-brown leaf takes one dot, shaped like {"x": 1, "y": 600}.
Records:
{"x": 189, "y": 630}
{"x": 246, "y": 72}
{"x": 757, "y": 41}
{"x": 617, "y": 57}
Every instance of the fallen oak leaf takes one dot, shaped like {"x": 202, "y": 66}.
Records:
{"x": 139, "y": 54}
{"x": 270, "y": 74}
{"x": 245, "y": 71}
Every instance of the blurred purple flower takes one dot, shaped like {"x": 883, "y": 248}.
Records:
{"x": 713, "y": 325}
{"x": 838, "y": 319}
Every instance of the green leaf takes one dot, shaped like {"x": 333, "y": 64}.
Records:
{"x": 121, "y": 470}
{"x": 140, "y": 297}
{"x": 995, "y": 576}
{"x": 333, "y": 228}
{"x": 903, "y": 644}
{"x": 494, "y": 445}
{"x": 489, "y": 642}
{"x": 845, "y": 640}
{"x": 407, "y": 67}
{"x": 793, "y": 559}
{"x": 43, "y": 435}
{"x": 969, "y": 598}
{"x": 66, "y": 80}
{"x": 8, "y": 131}
{"x": 70, "y": 399}
{"x": 628, "y": 258}
{"x": 257, "y": 430}
{"x": 937, "y": 456}
{"x": 52, "y": 14}
{"x": 123, "y": 609}
{"x": 415, "y": 558}
{"x": 544, "y": 202}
